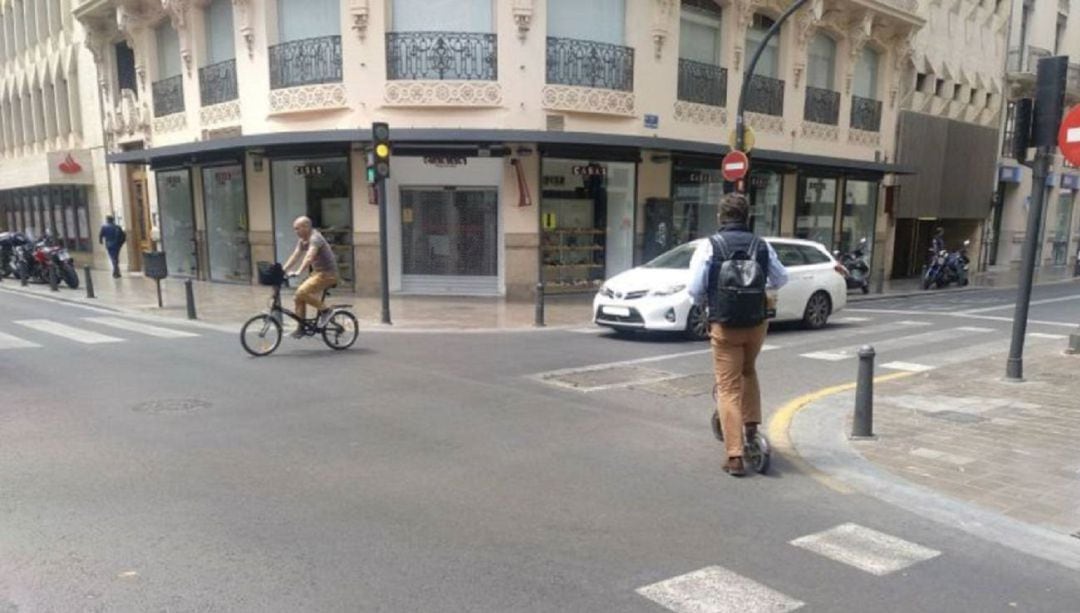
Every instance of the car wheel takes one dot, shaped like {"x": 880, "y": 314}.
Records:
{"x": 817, "y": 312}
{"x": 697, "y": 324}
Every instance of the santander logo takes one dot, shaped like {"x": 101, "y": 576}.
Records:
{"x": 70, "y": 166}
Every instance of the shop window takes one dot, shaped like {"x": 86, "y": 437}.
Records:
{"x": 226, "y": 223}
{"x": 449, "y": 232}
{"x": 177, "y": 222}
{"x": 319, "y": 189}
{"x": 859, "y": 215}
{"x": 765, "y": 199}
{"x": 62, "y": 210}
{"x": 696, "y": 198}
{"x": 817, "y": 210}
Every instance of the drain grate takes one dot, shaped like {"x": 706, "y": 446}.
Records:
{"x": 171, "y": 405}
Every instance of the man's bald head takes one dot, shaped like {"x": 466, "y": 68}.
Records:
{"x": 302, "y": 227}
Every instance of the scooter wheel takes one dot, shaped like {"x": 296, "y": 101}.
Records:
{"x": 717, "y": 430}
{"x": 758, "y": 453}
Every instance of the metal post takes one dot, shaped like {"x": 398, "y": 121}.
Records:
{"x": 89, "y": 282}
{"x": 1074, "y": 343}
{"x": 1014, "y": 368}
{"x": 384, "y": 265}
{"x": 54, "y": 280}
{"x": 24, "y": 279}
{"x": 189, "y": 294}
{"x": 157, "y": 282}
{"x": 539, "y": 305}
{"x": 863, "y": 424}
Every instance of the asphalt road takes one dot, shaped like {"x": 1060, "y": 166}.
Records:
{"x": 448, "y": 472}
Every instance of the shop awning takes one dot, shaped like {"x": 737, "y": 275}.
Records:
{"x": 291, "y": 143}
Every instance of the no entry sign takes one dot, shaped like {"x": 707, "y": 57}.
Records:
{"x": 735, "y": 166}
{"x": 1069, "y": 136}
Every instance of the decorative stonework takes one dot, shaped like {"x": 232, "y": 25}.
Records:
{"x": 443, "y": 93}
{"x": 664, "y": 12}
{"x": 242, "y": 15}
{"x": 360, "y": 14}
{"x": 587, "y": 100}
{"x": 765, "y": 123}
{"x": 307, "y": 98}
{"x": 126, "y": 122}
{"x": 702, "y": 114}
{"x": 219, "y": 114}
{"x": 820, "y": 131}
{"x": 864, "y": 138}
{"x": 170, "y": 123}
{"x": 523, "y": 17}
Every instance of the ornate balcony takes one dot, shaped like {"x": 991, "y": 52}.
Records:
{"x": 305, "y": 62}
{"x": 822, "y": 106}
{"x": 1025, "y": 61}
{"x": 168, "y": 96}
{"x": 217, "y": 83}
{"x": 441, "y": 56}
{"x": 702, "y": 83}
{"x": 587, "y": 63}
{"x": 865, "y": 114}
{"x": 765, "y": 95}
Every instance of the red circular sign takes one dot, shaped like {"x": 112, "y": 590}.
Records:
{"x": 735, "y": 166}
{"x": 1069, "y": 136}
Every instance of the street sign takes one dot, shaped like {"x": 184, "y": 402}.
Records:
{"x": 549, "y": 221}
{"x": 1069, "y": 136}
{"x": 749, "y": 138}
{"x": 735, "y": 166}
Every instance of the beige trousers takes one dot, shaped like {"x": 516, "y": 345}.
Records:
{"x": 738, "y": 398}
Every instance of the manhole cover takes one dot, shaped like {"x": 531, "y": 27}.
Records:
{"x": 955, "y": 417}
{"x": 171, "y": 405}
{"x": 681, "y": 387}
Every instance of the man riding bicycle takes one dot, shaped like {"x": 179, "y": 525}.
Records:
{"x": 312, "y": 250}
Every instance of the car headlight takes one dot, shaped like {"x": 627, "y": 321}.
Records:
{"x": 667, "y": 291}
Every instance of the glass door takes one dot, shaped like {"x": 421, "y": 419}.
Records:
{"x": 816, "y": 212}
{"x": 177, "y": 222}
{"x": 1061, "y": 229}
{"x": 227, "y": 223}
{"x": 449, "y": 240}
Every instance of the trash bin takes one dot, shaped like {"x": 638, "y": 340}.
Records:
{"x": 154, "y": 265}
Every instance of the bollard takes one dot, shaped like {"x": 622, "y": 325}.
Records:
{"x": 54, "y": 279}
{"x": 539, "y": 322}
{"x": 189, "y": 293}
{"x": 89, "y": 282}
{"x": 24, "y": 279}
{"x": 863, "y": 424}
{"x": 1074, "y": 343}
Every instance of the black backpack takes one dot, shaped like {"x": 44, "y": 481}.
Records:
{"x": 737, "y": 285}
{"x": 121, "y": 236}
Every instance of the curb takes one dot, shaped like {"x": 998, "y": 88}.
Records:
{"x": 812, "y": 426}
{"x": 954, "y": 290}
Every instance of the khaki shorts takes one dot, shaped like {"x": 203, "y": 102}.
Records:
{"x": 310, "y": 291}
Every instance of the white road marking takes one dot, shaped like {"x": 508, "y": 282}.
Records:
{"x": 592, "y": 330}
{"x": 826, "y": 355}
{"x": 975, "y": 329}
{"x": 13, "y": 342}
{"x": 868, "y": 550}
{"x": 851, "y": 320}
{"x": 134, "y": 326}
{"x": 934, "y": 454}
{"x": 1002, "y": 307}
{"x": 909, "y": 322}
{"x": 605, "y": 365}
{"x": 65, "y": 331}
{"x": 1052, "y": 337}
{"x": 907, "y": 366}
{"x": 767, "y": 347}
{"x": 715, "y": 589}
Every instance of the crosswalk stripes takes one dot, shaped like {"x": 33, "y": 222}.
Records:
{"x": 865, "y": 549}
{"x": 135, "y": 326}
{"x": 78, "y": 335}
{"x": 928, "y": 339}
{"x": 1051, "y": 337}
{"x": 715, "y": 589}
{"x": 8, "y": 341}
{"x": 907, "y": 366}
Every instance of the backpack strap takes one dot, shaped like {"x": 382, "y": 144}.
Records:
{"x": 719, "y": 242}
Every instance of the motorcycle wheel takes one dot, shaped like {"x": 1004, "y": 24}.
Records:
{"x": 23, "y": 271}
{"x": 865, "y": 288}
{"x": 926, "y": 283}
{"x": 71, "y": 278}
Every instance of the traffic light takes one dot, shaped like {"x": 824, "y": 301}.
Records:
{"x": 1022, "y": 111}
{"x": 380, "y": 147}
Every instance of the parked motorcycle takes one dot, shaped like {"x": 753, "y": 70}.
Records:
{"x": 9, "y": 242}
{"x": 858, "y": 268}
{"x": 947, "y": 267}
{"x": 42, "y": 260}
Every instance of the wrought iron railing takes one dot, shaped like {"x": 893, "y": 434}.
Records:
{"x": 168, "y": 96}
{"x": 765, "y": 95}
{"x": 702, "y": 83}
{"x": 865, "y": 114}
{"x": 589, "y": 64}
{"x": 217, "y": 83}
{"x": 822, "y": 106}
{"x": 465, "y": 56}
{"x": 305, "y": 62}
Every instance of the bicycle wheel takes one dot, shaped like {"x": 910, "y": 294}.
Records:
{"x": 261, "y": 335}
{"x": 341, "y": 331}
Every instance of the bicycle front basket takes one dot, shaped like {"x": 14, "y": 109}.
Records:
{"x": 271, "y": 274}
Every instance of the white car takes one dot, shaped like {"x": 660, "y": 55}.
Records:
{"x": 654, "y": 296}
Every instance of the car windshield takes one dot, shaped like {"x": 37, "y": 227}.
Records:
{"x": 677, "y": 258}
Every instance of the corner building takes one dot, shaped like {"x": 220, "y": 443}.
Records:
{"x": 554, "y": 140}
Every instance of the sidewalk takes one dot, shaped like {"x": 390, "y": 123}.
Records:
{"x": 896, "y": 288}
{"x": 231, "y": 304}
{"x": 1009, "y": 449}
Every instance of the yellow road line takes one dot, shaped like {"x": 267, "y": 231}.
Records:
{"x": 780, "y": 424}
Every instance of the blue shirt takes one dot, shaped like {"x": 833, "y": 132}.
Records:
{"x": 775, "y": 278}
{"x": 110, "y": 235}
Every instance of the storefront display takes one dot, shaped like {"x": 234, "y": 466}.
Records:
{"x": 816, "y": 211}
{"x": 177, "y": 225}
{"x": 319, "y": 189}
{"x": 766, "y": 193}
{"x": 859, "y": 216}
{"x": 697, "y": 193}
{"x": 449, "y": 232}
{"x": 63, "y": 209}
{"x": 226, "y": 223}
{"x": 587, "y": 215}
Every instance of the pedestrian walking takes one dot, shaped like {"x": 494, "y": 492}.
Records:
{"x": 113, "y": 237}
{"x": 730, "y": 273}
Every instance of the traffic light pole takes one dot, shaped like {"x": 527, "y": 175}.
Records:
{"x": 384, "y": 263}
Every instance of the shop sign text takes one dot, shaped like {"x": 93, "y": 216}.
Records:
{"x": 443, "y": 161}
{"x": 590, "y": 170}
{"x": 310, "y": 170}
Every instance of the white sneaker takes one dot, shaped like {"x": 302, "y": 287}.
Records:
{"x": 324, "y": 317}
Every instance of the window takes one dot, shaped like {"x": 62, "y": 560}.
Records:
{"x": 125, "y": 68}
{"x": 920, "y": 82}
{"x": 813, "y": 255}
{"x": 973, "y": 97}
{"x": 442, "y": 16}
{"x": 769, "y": 64}
{"x": 789, "y": 254}
{"x": 61, "y": 209}
{"x": 219, "y": 32}
{"x": 597, "y": 20}
{"x": 677, "y": 258}
{"x": 168, "y": 51}
{"x": 939, "y": 87}
{"x": 304, "y": 19}
{"x": 866, "y": 74}
{"x": 699, "y": 33}
{"x": 821, "y": 62}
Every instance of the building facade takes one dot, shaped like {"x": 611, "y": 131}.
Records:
{"x": 52, "y": 159}
{"x": 1041, "y": 28}
{"x": 553, "y": 140}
